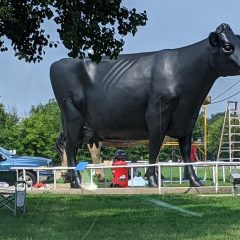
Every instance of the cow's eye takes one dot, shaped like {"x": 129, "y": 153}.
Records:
{"x": 228, "y": 48}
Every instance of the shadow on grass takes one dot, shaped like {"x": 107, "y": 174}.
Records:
{"x": 122, "y": 217}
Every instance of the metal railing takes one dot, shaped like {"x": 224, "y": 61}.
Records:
{"x": 215, "y": 165}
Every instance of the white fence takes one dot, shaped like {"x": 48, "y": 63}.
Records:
{"x": 215, "y": 168}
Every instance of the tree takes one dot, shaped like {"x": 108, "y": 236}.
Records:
{"x": 138, "y": 152}
{"x": 39, "y": 131}
{"x": 99, "y": 25}
{"x": 214, "y": 133}
{"x": 198, "y": 130}
{"x": 8, "y": 128}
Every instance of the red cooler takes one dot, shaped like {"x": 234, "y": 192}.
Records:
{"x": 120, "y": 175}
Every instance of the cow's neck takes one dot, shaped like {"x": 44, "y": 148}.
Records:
{"x": 195, "y": 60}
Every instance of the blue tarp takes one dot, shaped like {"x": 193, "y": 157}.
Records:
{"x": 81, "y": 166}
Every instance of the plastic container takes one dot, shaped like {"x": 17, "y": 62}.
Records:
{"x": 120, "y": 175}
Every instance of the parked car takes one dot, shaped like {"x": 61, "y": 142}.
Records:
{"x": 8, "y": 160}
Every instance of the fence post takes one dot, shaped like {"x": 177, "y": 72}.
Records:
{"x": 24, "y": 174}
{"x": 91, "y": 176}
{"x": 224, "y": 176}
{"x": 38, "y": 179}
{"x": 170, "y": 174}
{"x": 54, "y": 179}
{"x": 216, "y": 178}
{"x": 159, "y": 180}
{"x": 213, "y": 173}
{"x": 180, "y": 175}
{"x": 131, "y": 170}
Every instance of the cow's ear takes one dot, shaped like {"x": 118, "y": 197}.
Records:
{"x": 238, "y": 36}
{"x": 213, "y": 39}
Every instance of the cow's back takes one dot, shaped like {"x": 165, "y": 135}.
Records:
{"x": 69, "y": 74}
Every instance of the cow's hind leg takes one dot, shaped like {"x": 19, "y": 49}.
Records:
{"x": 72, "y": 122}
{"x": 185, "y": 147}
{"x": 95, "y": 155}
{"x": 157, "y": 118}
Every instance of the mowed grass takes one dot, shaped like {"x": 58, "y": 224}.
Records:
{"x": 123, "y": 217}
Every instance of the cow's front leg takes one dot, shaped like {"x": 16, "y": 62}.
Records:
{"x": 72, "y": 125}
{"x": 185, "y": 147}
{"x": 157, "y": 118}
{"x": 154, "y": 148}
{"x": 73, "y": 175}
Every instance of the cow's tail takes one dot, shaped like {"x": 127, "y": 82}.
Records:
{"x": 60, "y": 146}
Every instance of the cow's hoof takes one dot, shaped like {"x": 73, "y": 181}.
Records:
{"x": 100, "y": 178}
{"x": 196, "y": 183}
{"x": 67, "y": 179}
{"x": 152, "y": 182}
{"x": 156, "y": 178}
{"x": 75, "y": 185}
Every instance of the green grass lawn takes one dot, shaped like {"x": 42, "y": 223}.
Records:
{"x": 122, "y": 217}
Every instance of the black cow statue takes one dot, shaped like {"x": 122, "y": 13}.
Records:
{"x": 142, "y": 96}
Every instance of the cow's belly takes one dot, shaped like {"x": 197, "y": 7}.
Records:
{"x": 125, "y": 124}
{"x": 124, "y": 128}
{"x": 178, "y": 128}
{"x": 126, "y": 134}
{"x": 181, "y": 121}
{"x": 118, "y": 117}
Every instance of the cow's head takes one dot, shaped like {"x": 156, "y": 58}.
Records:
{"x": 225, "y": 51}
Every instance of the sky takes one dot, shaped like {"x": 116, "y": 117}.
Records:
{"x": 171, "y": 24}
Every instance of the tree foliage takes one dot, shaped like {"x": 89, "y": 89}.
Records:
{"x": 214, "y": 133}
{"x": 39, "y": 131}
{"x": 99, "y": 25}
{"x": 198, "y": 131}
{"x": 8, "y": 127}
